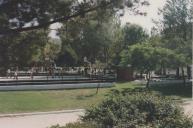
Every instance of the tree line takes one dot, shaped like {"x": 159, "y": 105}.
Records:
{"x": 97, "y": 35}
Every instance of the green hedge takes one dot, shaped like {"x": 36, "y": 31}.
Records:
{"x": 137, "y": 109}
{"x": 134, "y": 109}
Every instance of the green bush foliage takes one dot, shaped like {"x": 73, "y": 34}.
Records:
{"x": 77, "y": 125}
{"x": 137, "y": 109}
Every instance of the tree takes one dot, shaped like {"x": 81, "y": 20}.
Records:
{"x": 19, "y": 16}
{"x": 177, "y": 31}
{"x": 40, "y": 14}
{"x": 82, "y": 39}
{"x": 52, "y": 49}
{"x": 124, "y": 37}
{"x": 92, "y": 38}
{"x": 117, "y": 44}
{"x": 134, "y": 34}
{"x": 22, "y": 49}
{"x": 146, "y": 58}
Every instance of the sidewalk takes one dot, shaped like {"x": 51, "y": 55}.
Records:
{"x": 40, "y": 113}
{"x": 40, "y": 119}
{"x": 188, "y": 107}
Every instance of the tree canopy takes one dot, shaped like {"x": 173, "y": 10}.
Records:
{"x": 24, "y": 15}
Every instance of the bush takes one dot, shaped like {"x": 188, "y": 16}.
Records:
{"x": 77, "y": 125}
{"x": 137, "y": 109}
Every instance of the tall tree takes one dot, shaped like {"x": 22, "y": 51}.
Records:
{"x": 134, "y": 34}
{"x": 123, "y": 37}
{"x": 177, "y": 26}
{"x": 146, "y": 58}
{"x": 22, "y": 49}
{"x": 89, "y": 38}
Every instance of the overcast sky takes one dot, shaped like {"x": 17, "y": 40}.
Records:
{"x": 144, "y": 21}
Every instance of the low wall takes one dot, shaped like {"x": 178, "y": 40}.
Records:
{"x": 55, "y": 86}
{"x": 166, "y": 82}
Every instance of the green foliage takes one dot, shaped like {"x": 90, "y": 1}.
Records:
{"x": 134, "y": 34}
{"x": 177, "y": 33}
{"x": 124, "y": 37}
{"x": 22, "y": 49}
{"x": 16, "y": 14}
{"x": 52, "y": 49}
{"x": 145, "y": 58}
{"x": 88, "y": 30}
{"x": 117, "y": 45}
{"x": 90, "y": 38}
{"x": 137, "y": 110}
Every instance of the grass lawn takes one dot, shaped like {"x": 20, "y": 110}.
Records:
{"x": 30, "y": 101}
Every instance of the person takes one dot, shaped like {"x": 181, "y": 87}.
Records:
{"x": 31, "y": 73}
{"x": 61, "y": 72}
{"x": 49, "y": 71}
{"x": 53, "y": 72}
{"x": 8, "y": 73}
{"x": 16, "y": 74}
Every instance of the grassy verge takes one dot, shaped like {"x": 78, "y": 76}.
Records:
{"x": 30, "y": 101}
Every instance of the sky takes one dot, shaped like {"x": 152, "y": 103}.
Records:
{"x": 144, "y": 21}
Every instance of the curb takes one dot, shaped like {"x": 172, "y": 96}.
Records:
{"x": 41, "y": 113}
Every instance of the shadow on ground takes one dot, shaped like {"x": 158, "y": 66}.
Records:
{"x": 174, "y": 90}
{"x": 82, "y": 97}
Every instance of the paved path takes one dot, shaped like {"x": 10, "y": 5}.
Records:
{"x": 40, "y": 120}
{"x": 188, "y": 107}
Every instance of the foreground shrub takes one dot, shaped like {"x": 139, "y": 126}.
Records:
{"x": 77, "y": 125}
{"x": 137, "y": 110}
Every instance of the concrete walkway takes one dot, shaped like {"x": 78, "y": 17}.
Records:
{"x": 188, "y": 108}
{"x": 39, "y": 120}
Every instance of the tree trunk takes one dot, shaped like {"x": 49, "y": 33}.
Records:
{"x": 141, "y": 75}
{"x": 183, "y": 76}
{"x": 98, "y": 86}
{"x": 177, "y": 73}
{"x": 189, "y": 72}
{"x": 106, "y": 55}
{"x": 164, "y": 70}
{"x": 97, "y": 89}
